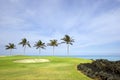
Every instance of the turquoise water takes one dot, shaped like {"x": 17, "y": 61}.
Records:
{"x": 112, "y": 58}
{"x": 94, "y": 57}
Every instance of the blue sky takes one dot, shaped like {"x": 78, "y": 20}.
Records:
{"x": 94, "y": 24}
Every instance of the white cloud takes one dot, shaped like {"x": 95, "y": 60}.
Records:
{"x": 48, "y": 20}
{"x": 8, "y": 21}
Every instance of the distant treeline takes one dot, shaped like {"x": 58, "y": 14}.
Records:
{"x": 101, "y": 69}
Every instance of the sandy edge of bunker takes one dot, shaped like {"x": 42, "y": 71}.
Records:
{"x": 32, "y": 61}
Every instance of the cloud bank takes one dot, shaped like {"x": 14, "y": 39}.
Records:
{"x": 94, "y": 25}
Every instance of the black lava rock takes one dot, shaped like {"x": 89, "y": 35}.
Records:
{"x": 101, "y": 69}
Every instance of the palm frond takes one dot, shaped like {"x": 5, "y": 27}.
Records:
{"x": 71, "y": 43}
{"x": 67, "y": 39}
{"x": 39, "y": 44}
{"x": 53, "y": 43}
{"x": 24, "y": 42}
{"x": 10, "y": 46}
{"x": 28, "y": 44}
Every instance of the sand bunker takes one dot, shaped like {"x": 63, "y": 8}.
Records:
{"x": 2, "y": 56}
{"x": 32, "y": 61}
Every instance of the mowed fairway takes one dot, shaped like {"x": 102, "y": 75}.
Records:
{"x": 59, "y": 68}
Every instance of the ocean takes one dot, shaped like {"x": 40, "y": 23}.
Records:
{"x": 94, "y": 57}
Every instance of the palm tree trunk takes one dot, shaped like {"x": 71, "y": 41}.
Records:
{"x": 53, "y": 50}
{"x": 24, "y": 49}
{"x": 39, "y": 51}
{"x": 11, "y": 52}
{"x": 68, "y": 49}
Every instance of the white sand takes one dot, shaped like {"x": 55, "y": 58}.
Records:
{"x": 2, "y": 56}
{"x": 32, "y": 61}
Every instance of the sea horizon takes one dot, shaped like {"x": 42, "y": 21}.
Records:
{"x": 93, "y": 57}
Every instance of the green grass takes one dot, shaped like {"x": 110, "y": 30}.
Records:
{"x": 59, "y": 68}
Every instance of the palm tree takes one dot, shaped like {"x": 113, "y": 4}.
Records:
{"x": 68, "y": 40}
{"x": 53, "y": 43}
{"x": 24, "y": 43}
{"x": 40, "y": 45}
{"x": 10, "y": 46}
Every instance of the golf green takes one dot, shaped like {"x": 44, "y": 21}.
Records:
{"x": 58, "y": 68}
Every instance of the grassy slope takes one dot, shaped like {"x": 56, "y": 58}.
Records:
{"x": 58, "y": 69}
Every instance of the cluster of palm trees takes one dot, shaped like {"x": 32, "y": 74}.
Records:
{"x": 40, "y": 45}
